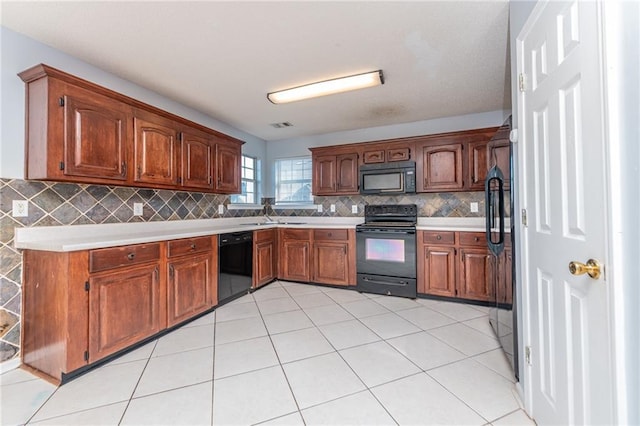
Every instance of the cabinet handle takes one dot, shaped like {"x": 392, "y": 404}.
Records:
{"x": 131, "y": 256}
{"x": 124, "y": 169}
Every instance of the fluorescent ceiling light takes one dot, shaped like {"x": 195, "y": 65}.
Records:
{"x": 328, "y": 87}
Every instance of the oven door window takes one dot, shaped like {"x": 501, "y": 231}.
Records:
{"x": 385, "y": 250}
{"x": 384, "y": 182}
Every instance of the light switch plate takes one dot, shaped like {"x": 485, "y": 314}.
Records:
{"x": 221, "y": 209}
{"x": 474, "y": 207}
{"x": 333, "y": 208}
{"x": 137, "y": 209}
{"x": 354, "y": 209}
{"x": 20, "y": 208}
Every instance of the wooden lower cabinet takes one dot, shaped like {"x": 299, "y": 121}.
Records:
{"x": 265, "y": 258}
{"x": 124, "y": 308}
{"x": 295, "y": 260}
{"x": 330, "y": 262}
{"x": 456, "y": 264}
{"x": 476, "y": 274}
{"x": 439, "y": 276}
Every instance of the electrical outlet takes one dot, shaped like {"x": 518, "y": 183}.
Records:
{"x": 137, "y": 209}
{"x": 474, "y": 207}
{"x": 221, "y": 209}
{"x": 354, "y": 209}
{"x": 319, "y": 208}
{"x": 332, "y": 208}
{"x": 20, "y": 208}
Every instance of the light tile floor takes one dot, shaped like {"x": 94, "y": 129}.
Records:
{"x": 293, "y": 354}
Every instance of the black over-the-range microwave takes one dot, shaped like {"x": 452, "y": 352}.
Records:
{"x": 388, "y": 178}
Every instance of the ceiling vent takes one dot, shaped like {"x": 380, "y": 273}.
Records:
{"x": 282, "y": 125}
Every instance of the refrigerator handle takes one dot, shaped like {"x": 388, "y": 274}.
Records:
{"x": 494, "y": 177}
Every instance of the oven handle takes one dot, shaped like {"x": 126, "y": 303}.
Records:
{"x": 399, "y": 283}
{"x": 387, "y": 231}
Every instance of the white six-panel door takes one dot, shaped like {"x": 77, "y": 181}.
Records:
{"x": 569, "y": 379}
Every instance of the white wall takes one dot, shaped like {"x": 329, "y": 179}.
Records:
{"x": 19, "y": 53}
{"x": 299, "y": 147}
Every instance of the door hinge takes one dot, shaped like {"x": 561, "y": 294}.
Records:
{"x": 527, "y": 355}
{"x": 61, "y": 101}
{"x": 522, "y": 82}
{"x": 61, "y": 165}
{"x": 86, "y": 356}
{"x": 524, "y": 217}
{"x": 87, "y": 286}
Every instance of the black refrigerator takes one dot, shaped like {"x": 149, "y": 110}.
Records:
{"x": 499, "y": 232}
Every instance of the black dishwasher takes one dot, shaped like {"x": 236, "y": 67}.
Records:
{"x": 235, "y": 257}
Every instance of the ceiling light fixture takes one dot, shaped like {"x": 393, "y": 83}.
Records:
{"x": 327, "y": 87}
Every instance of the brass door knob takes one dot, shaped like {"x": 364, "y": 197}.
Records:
{"x": 593, "y": 268}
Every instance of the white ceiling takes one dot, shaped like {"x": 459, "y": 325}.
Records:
{"x": 439, "y": 58}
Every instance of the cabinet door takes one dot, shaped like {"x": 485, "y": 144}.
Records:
{"x": 189, "y": 287}
{"x": 478, "y": 165}
{"x": 331, "y": 263}
{"x": 228, "y": 169}
{"x": 399, "y": 154}
{"x": 155, "y": 152}
{"x": 442, "y": 168}
{"x": 265, "y": 262}
{"x": 347, "y": 173}
{"x": 295, "y": 260}
{"x": 96, "y": 138}
{"x": 499, "y": 155}
{"x": 439, "y": 275}
{"x": 324, "y": 174}
{"x": 476, "y": 275}
{"x": 373, "y": 157}
{"x": 196, "y": 161}
{"x": 124, "y": 308}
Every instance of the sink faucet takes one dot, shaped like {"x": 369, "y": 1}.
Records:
{"x": 268, "y": 219}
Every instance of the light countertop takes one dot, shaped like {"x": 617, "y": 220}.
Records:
{"x": 85, "y": 237}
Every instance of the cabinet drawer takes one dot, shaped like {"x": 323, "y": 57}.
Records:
{"x": 398, "y": 154}
{"x": 188, "y": 245}
{"x": 477, "y": 239}
{"x": 331, "y": 234}
{"x": 264, "y": 235}
{"x": 116, "y": 257}
{"x": 295, "y": 234}
{"x": 435, "y": 237}
{"x": 371, "y": 157}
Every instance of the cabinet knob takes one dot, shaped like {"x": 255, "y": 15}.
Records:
{"x": 439, "y": 237}
{"x": 477, "y": 239}
{"x": 193, "y": 246}
{"x": 131, "y": 256}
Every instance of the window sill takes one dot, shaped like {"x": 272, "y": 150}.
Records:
{"x": 245, "y": 206}
{"x": 295, "y": 206}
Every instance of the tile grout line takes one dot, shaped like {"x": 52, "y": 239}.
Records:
{"x": 133, "y": 392}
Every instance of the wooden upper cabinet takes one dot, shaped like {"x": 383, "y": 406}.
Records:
{"x": 347, "y": 173}
{"x": 389, "y": 152}
{"x": 478, "y": 165}
{"x": 324, "y": 174}
{"x": 155, "y": 151}
{"x": 401, "y": 153}
{"x": 373, "y": 156}
{"x": 77, "y": 131}
{"x": 196, "y": 161}
{"x": 228, "y": 168}
{"x": 335, "y": 174}
{"x": 441, "y": 168}
{"x": 499, "y": 153}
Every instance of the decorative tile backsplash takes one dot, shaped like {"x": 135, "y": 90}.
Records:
{"x": 52, "y": 203}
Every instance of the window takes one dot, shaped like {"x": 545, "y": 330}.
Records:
{"x": 250, "y": 182}
{"x": 293, "y": 181}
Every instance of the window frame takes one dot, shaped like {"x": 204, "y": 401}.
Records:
{"x": 277, "y": 182}
{"x": 256, "y": 181}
